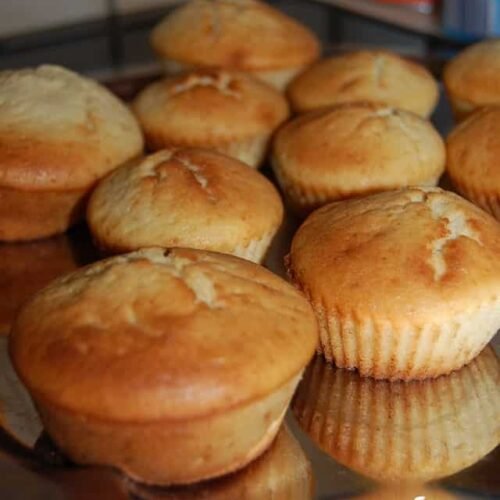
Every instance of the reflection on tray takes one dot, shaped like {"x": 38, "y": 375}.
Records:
{"x": 414, "y": 431}
{"x": 25, "y": 268}
{"x": 282, "y": 473}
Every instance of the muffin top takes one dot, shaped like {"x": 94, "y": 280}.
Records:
{"x": 207, "y": 106}
{"x": 473, "y": 150}
{"x": 59, "y": 130}
{"x": 374, "y": 76}
{"x": 239, "y": 34}
{"x": 359, "y": 147}
{"x": 184, "y": 197}
{"x": 162, "y": 334}
{"x": 412, "y": 255}
{"x": 474, "y": 75}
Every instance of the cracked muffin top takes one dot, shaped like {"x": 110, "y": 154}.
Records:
{"x": 60, "y": 130}
{"x": 162, "y": 333}
{"x": 413, "y": 255}
{"x": 206, "y": 107}
{"x": 374, "y": 76}
{"x": 356, "y": 149}
{"x": 184, "y": 197}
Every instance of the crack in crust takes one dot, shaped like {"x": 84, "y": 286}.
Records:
{"x": 456, "y": 227}
{"x": 155, "y": 167}
{"x": 221, "y": 81}
{"x": 198, "y": 282}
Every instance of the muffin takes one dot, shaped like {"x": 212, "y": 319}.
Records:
{"x": 245, "y": 35}
{"x": 472, "y": 161}
{"x": 26, "y": 268}
{"x": 173, "y": 366}
{"x": 191, "y": 198}
{"x": 402, "y": 432}
{"x": 353, "y": 150}
{"x": 405, "y": 284}
{"x": 472, "y": 79}
{"x": 229, "y": 112}
{"x": 373, "y": 76}
{"x": 283, "y": 472}
{"x": 59, "y": 133}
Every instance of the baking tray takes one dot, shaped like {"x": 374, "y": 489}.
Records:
{"x": 345, "y": 437}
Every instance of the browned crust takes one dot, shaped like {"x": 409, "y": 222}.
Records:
{"x": 28, "y": 215}
{"x": 246, "y": 36}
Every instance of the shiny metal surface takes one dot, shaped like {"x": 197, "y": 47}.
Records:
{"x": 354, "y": 437}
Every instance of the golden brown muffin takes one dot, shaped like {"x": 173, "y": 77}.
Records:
{"x": 174, "y": 365}
{"x": 372, "y": 76}
{"x": 245, "y": 35}
{"x": 59, "y": 133}
{"x": 228, "y": 112}
{"x": 403, "y": 431}
{"x": 472, "y": 79}
{"x": 283, "y": 472}
{"x": 405, "y": 284}
{"x": 186, "y": 197}
{"x": 26, "y": 268}
{"x": 473, "y": 164}
{"x": 353, "y": 150}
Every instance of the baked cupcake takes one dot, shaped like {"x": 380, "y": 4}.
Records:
{"x": 191, "y": 198}
{"x": 402, "y": 432}
{"x": 283, "y": 472}
{"x": 27, "y": 267}
{"x": 472, "y": 161}
{"x": 173, "y": 366}
{"x": 59, "y": 133}
{"x": 353, "y": 150}
{"x": 245, "y": 35}
{"x": 472, "y": 79}
{"x": 229, "y": 112}
{"x": 373, "y": 76}
{"x": 405, "y": 284}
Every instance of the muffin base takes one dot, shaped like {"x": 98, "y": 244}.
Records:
{"x": 305, "y": 199}
{"x": 382, "y": 349}
{"x": 490, "y": 202}
{"x": 277, "y": 78}
{"x": 461, "y": 109}
{"x": 255, "y": 251}
{"x": 249, "y": 150}
{"x": 166, "y": 452}
{"x": 31, "y": 215}
{"x": 402, "y": 431}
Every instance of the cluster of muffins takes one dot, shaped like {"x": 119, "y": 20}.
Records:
{"x": 177, "y": 357}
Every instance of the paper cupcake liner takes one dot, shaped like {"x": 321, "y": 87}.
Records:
{"x": 251, "y": 151}
{"x": 402, "y": 431}
{"x": 383, "y": 349}
{"x": 305, "y": 199}
{"x": 302, "y": 200}
{"x": 256, "y": 250}
{"x": 490, "y": 202}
